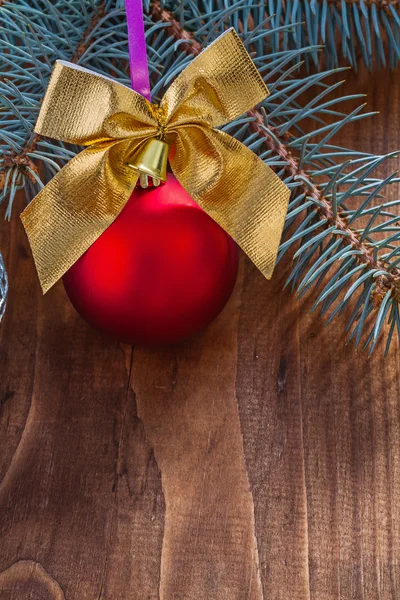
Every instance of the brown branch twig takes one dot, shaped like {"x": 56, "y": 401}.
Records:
{"x": 293, "y": 169}
{"x": 379, "y": 4}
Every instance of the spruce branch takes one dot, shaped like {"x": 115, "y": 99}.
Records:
{"x": 332, "y": 218}
{"x": 20, "y": 158}
{"x": 333, "y": 222}
{"x": 343, "y": 233}
{"x": 348, "y": 29}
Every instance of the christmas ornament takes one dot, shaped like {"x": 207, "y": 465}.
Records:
{"x": 114, "y": 122}
{"x": 128, "y": 140}
{"x": 162, "y": 271}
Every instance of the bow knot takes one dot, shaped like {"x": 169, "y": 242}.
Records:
{"x": 160, "y": 116}
{"x": 231, "y": 183}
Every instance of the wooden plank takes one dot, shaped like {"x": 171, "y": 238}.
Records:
{"x": 269, "y": 396}
{"x": 320, "y": 423}
{"x": 67, "y": 421}
{"x": 186, "y": 398}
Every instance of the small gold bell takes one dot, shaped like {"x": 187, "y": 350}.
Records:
{"x": 151, "y": 161}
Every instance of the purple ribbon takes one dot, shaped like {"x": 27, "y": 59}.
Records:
{"x": 139, "y": 67}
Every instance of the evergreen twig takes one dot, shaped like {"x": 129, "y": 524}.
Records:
{"x": 20, "y": 157}
{"x": 348, "y": 29}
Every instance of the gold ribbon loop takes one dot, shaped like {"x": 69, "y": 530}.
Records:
{"x": 233, "y": 185}
{"x": 82, "y": 107}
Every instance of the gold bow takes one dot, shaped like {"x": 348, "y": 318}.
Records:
{"x": 233, "y": 185}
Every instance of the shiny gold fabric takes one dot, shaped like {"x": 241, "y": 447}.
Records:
{"x": 225, "y": 178}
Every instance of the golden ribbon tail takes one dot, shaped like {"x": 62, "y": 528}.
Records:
{"x": 227, "y": 179}
{"x": 75, "y": 208}
{"x": 85, "y": 197}
{"x": 236, "y": 188}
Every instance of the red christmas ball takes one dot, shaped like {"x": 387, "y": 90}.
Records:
{"x": 161, "y": 272}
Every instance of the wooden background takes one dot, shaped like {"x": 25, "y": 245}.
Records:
{"x": 259, "y": 460}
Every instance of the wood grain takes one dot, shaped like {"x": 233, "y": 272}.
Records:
{"x": 186, "y": 398}
{"x": 259, "y": 460}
